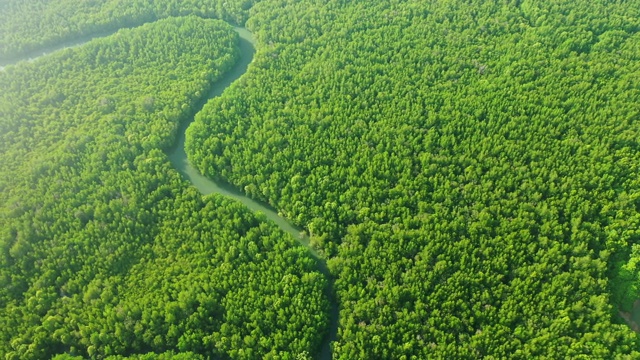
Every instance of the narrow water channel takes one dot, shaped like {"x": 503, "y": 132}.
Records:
{"x": 206, "y": 186}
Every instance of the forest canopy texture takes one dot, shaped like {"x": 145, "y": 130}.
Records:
{"x": 468, "y": 169}
{"x": 105, "y": 250}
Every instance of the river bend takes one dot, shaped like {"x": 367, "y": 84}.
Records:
{"x": 206, "y": 186}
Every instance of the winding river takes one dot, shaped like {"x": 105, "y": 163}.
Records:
{"x": 178, "y": 158}
{"x": 206, "y": 186}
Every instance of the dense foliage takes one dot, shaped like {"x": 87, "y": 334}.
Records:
{"x": 104, "y": 249}
{"x": 28, "y": 25}
{"x": 471, "y": 169}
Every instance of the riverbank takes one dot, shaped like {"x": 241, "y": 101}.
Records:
{"x": 178, "y": 159}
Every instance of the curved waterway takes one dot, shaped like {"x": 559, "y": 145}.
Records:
{"x": 206, "y": 186}
{"x": 33, "y": 55}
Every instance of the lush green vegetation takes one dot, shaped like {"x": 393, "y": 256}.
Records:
{"x": 471, "y": 170}
{"x": 104, "y": 249}
{"x": 29, "y": 25}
